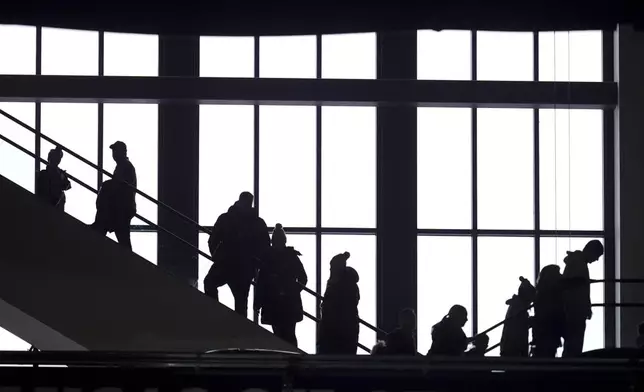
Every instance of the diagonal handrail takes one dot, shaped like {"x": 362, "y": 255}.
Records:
{"x": 101, "y": 170}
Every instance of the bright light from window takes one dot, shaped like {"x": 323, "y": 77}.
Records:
{"x": 145, "y": 245}
{"x": 553, "y": 251}
{"x": 574, "y": 56}
{"x": 505, "y": 169}
{"x": 131, "y": 54}
{"x": 18, "y": 48}
{"x": 444, "y": 168}
{"x": 226, "y": 157}
{"x": 287, "y": 165}
{"x": 348, "y": 167}
{"x": 137, "y": 126}
{"x": 10, "y": 342}
{"x": 444, "y": 55}
{"x": 444, "y": 280}
{"x": 349, "y": 56}
{"x": 363, "y": 259}
{"x": 571, "y": 169}
{"x": 14, "y": 164}
{"x": 227, "y": 57}
{"x": 75, "y": 125}
{"x": 505, "y": 56}
{"x": 69, "y": 52}
{"x": 501, "y": 261}
{"x": 288, "y": 57}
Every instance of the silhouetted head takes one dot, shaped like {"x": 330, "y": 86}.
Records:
{"x": 458, "y": 314}
{"x": 593, "y": 250}
{"x": 55, "y": 156}
{"x": 481, "y": 341}
{"x": 245, "y": 201}
{"x": 352, "y": 274}
{"x": 339, "y": 263}
{"x": 119, "y": 151}
{"x": 549, "y": 276}
{"x": 279, "y": 236}
{"x": 407, "y": 319}
{"x": 527, "y": 292}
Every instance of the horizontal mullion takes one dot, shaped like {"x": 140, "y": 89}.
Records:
{"x": 333, "y": 92}
{"x": 511, "y": 233}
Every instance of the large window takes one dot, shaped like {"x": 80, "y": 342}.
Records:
{"x": 574, "y": 56}
{"x": 131, "y": 54}
{"x": 15, "y": 164}
{"x": 18, "y": 49}
{"x": 227, "y": 57}
{"x": 444, "y": 55}
{"x": 69, "y": 52}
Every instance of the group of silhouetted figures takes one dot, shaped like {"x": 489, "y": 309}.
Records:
{"x": 243, "y": 253}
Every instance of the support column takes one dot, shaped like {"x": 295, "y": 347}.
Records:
{"x": 396, "y": 199}
{"x": 179, "y": 161}
{"x": 629, "y": 179}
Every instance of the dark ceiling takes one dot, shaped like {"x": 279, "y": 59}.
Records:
{"x": 309, "y": 17}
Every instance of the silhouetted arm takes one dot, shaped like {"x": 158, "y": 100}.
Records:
{"x": 216, "y": 236}
{"x": 301, "y": 272}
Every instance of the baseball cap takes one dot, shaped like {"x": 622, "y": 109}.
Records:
{"x": 119, "y": 146}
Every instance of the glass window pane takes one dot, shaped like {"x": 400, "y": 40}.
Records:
{"x": 10, "y": 342}
{"x": 553, "y": 251}
{"x": 363, "y": 259}
{"x": 137, "y": 126}
{"x": 501, "y": 261}
{"x": 75, "y": 125}
{"x": 504, "y": 56}
{"x": 444, "y": 168}
{"x": 444, "y": 55}
{"x": 349, "y": 56}
{"x": 571, "y": 169}
{"x": 131, "y": 54}
{"x": 227, "y": 57}
{"x": 69, "y": 52}
{"x": 287, "y": 165}
{"x": 15, "y": 165}
{"x": 444, "y": 280}
{"x": 348, "y": 167}
{"x": 288, "y": 57}
{"x": 18, "y": 48}
{"x": 574, "y": 56}
{"x": 145, "y": 245}
{"x": 505, "y": 169}
{"x": 226, "y": 157}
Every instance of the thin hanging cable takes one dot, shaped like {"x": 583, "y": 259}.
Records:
{"x": 554, "y": 95}
{"x": 569, "y": 150}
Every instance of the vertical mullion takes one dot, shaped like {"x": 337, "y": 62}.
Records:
{"x": 474, "y": 196}
{"x": 610, "y": 317}
{"x": 101, "y": 72}
{"x": 256, "y": 141}
{"x": 318, "y": 175}
{"x": 536, "y": 163}
{"x": 37, "y": 122}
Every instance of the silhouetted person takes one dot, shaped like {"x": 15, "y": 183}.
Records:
{"x": 515, "y": 340}
{"x": 640, "y": 336}
{"x": 238, "y": 242}
{"x": 480, "y": 344}
{"x": 116, "y": 204}
{"x": 576, "y": 295}
{"x": 448, "y": 337}
{"x": 549, "y": 316}
{"x": 402, "y": 340}
{"x": 279, "y": 283}
{"x": 52, "y": 182}
{"x": 339, "y": 326}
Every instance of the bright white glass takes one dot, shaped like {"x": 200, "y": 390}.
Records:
{"x": 226, "y": 157}
{"x": 287, "y": 165}
{"x": 17, "y": 50}
{"x": 75, "y": 125}
{"x": 444, "y": 280}
{"x": 571, "y": 169}
{"x": 444, "y": 168}
{"x": 504, "y": 56}
{"x": 288, "y": 57}
{"x": 444, "y": 55}
{"x": 363, "y": 259}
{"x": 15, "y": 165}
{"x": 574, "y": 56}
{"x": 145, "y": 245}
{"x": 501, "y": 261}
{"x": 131, "y": 54}
{"x": 505, "y": 169}
{"x": 349, "y": 56}
{"x": 227, "y": 57}
{"x": 69, "y": 52}
{"x": 348, "y": 166}
{"x": 10, "y": 342}
{"x": 137, "y": 125}
{"x": 553, "y": 251}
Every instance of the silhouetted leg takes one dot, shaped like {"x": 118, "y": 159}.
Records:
{"x": 240, "y": 291}
{"x": 212, "y": 292}
{"x": 574, "y": 339}
{"x": 123, "y": 236}
{"x": 286, "y": 332}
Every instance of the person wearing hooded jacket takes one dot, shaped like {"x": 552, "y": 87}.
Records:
{"x": 549, "y": 315}
{"x": 576, "y": 295}
{"x": 515, "y": 341}
{"x": 339, "y": 325}
{"x": 278, "y": 287}
{"x": 238, "y": 242}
